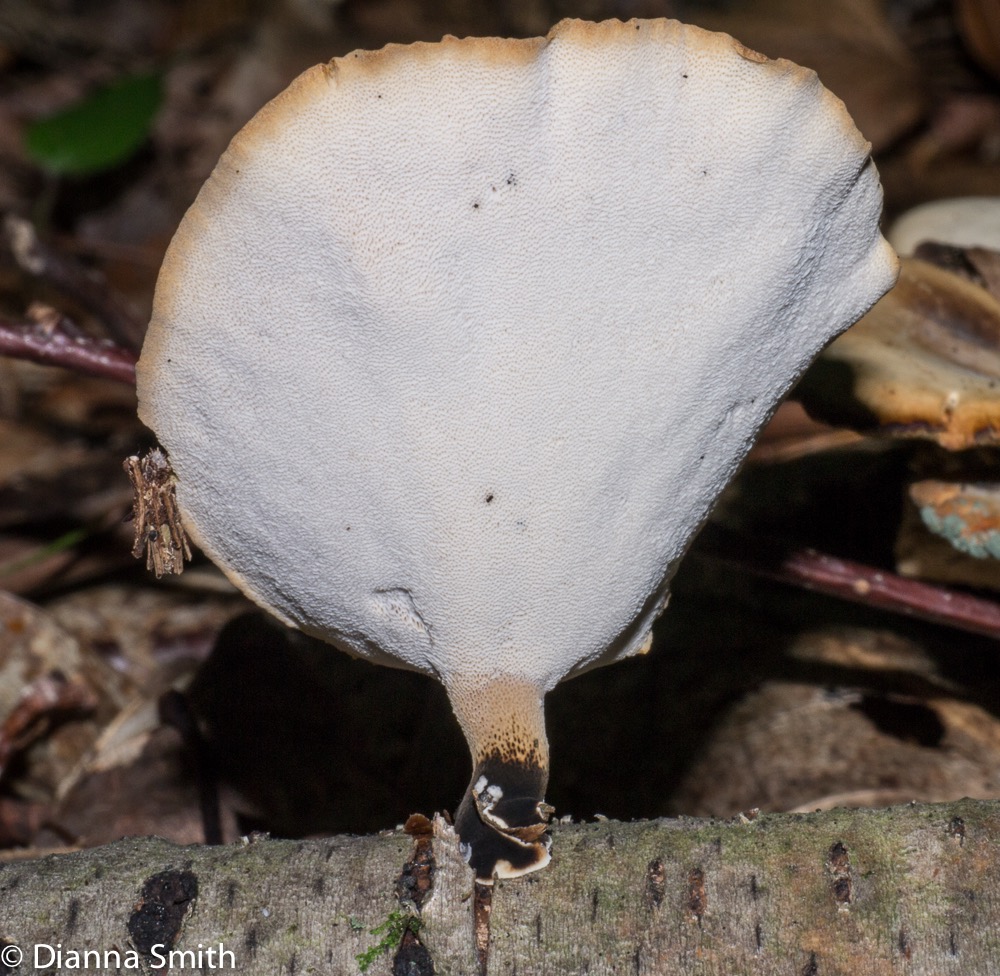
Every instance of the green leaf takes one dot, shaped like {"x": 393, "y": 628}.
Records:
{"x": 104, "y": 129}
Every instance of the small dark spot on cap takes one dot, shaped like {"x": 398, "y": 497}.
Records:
{"x": 489, "y": 498}
{"x": 475, "y": 206}
{"x": 683, "y": 76}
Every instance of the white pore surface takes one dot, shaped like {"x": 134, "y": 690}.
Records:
{"x": 960, "y": 221}
{"x": 460, "y": 342}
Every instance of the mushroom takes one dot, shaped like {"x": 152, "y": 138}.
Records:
{"x": 961, "y": 221}
{"x": 923, "y": 363}
{"x": 460, "y": 341}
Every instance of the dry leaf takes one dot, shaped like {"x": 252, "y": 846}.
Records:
{"x": 35, "y": 650}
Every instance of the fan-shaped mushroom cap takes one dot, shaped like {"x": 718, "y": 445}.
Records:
{"x": 460, "y": 341}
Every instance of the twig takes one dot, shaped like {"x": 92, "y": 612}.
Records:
{"x": 867, "y": 585}
{"x": 73, "y": 280}
{"x": 52, "y": 345}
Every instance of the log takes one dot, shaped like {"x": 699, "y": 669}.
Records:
{"x": 912, "y": 889}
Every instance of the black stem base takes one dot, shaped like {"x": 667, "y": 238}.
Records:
{"x": 501, "y": 821}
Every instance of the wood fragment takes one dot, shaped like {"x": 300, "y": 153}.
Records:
{"x": 158, "y": 526}
{"x": 482, "y": 905}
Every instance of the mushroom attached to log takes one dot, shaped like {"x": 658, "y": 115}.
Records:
{"x": 460, "y": 341}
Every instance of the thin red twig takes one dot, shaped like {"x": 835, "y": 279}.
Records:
{"x": 859, "y": 583}
{"x": 53, "y": 347}
{"x": 888, "y": 591}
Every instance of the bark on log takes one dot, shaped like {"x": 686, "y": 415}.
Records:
{"x": 912, "y": 890}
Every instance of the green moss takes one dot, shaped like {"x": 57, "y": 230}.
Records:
{"x": 392, "y": 931}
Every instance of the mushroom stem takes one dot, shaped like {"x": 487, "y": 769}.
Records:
{"x": 502, "y": 819}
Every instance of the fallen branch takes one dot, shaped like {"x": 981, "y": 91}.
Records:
{"x": 912, "y": 889}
